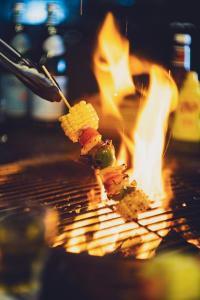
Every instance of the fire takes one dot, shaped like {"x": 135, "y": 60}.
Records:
{"x": 111, "y": 67}
{"x": 101, "y": 230}
{"x": 122, "y": 156}
{"x": 150, "y": 132}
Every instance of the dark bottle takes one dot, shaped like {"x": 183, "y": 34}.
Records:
{"x": 14, "y": 94}
{"x": 181, "y": 59}
{"x": 55, "y": 61}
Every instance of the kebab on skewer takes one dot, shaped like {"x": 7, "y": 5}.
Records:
{"x": 80, "y": 125}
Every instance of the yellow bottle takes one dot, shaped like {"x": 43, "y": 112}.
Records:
{"x": 186, "y": 125}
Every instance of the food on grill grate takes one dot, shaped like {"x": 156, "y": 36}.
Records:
{"x": 133, "y": 203}
{"x": 115, "y": 181}
{"x": 80, "y": 125}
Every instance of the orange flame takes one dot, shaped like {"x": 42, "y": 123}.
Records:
{"x": 147, "y": 149}
{"x": 122, "y": 156}
{"x": 111, "y": 67}
{"x": 150, "y": 131}
{"x": 100, "y": 230}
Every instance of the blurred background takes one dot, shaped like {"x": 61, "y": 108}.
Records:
{"x": 149, "y": 26}
{"x": 145, "y": 22}
{"x": 38, "y": 163}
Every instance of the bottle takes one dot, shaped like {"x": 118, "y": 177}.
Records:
{"x": 55, "y": 61}
{"x": 186, "y": 125}
{"x": 181, "y": 59}
{"x": 14, "y": 93}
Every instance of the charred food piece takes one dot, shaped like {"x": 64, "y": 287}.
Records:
{"x": 132, "y": 204}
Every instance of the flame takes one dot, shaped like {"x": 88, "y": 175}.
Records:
{"x": 103, "y": 194}
{"x": 104, "y": 239}
{"x": 101, "y": 230}
{"x": 122, "y": 156}
{"x": 150, "y": 132}
{"x": 147, "y": 148}
{"x": 111, "y": 67}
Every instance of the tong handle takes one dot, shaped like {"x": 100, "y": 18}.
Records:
{"x": 28, "y": 72}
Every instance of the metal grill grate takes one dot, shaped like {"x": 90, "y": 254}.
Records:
{"x": 93, "y": 227}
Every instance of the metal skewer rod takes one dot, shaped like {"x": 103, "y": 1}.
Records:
{"x": 10, "y": 48}
{"x": 13, "y": 51}
{"x": 55, "y": 84}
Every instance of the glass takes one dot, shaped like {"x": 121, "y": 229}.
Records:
{"x": 25, "y": 237}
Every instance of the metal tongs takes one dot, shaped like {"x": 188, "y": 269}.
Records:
{"x": 29, "y": 73}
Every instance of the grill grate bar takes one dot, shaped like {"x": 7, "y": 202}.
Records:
{"x": 108, "y": 242}
{"x": 127, "y": 233}
{"x": 47, "y": 190}
{"x": 121, "y": 229}
{"x": 109, "y": 231}
{"x": 16, "y": 184}
{"x": 136, "y": 236}
{"x": 96, "y": 214}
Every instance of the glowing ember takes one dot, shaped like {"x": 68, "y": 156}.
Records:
{"x": 185, "y": 229}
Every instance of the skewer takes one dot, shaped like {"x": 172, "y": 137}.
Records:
{"x": 55, "y": 84}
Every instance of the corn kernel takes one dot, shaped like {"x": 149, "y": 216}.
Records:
{"x": 80, "y": 116}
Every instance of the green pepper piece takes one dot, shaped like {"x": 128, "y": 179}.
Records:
{"x": 104, "y": 156}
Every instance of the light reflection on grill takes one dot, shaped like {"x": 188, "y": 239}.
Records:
{"x": 147, "y": 230}
{"x": 95, "y": 227}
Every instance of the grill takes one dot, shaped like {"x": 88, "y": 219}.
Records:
{"x": 87, "y": 225}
